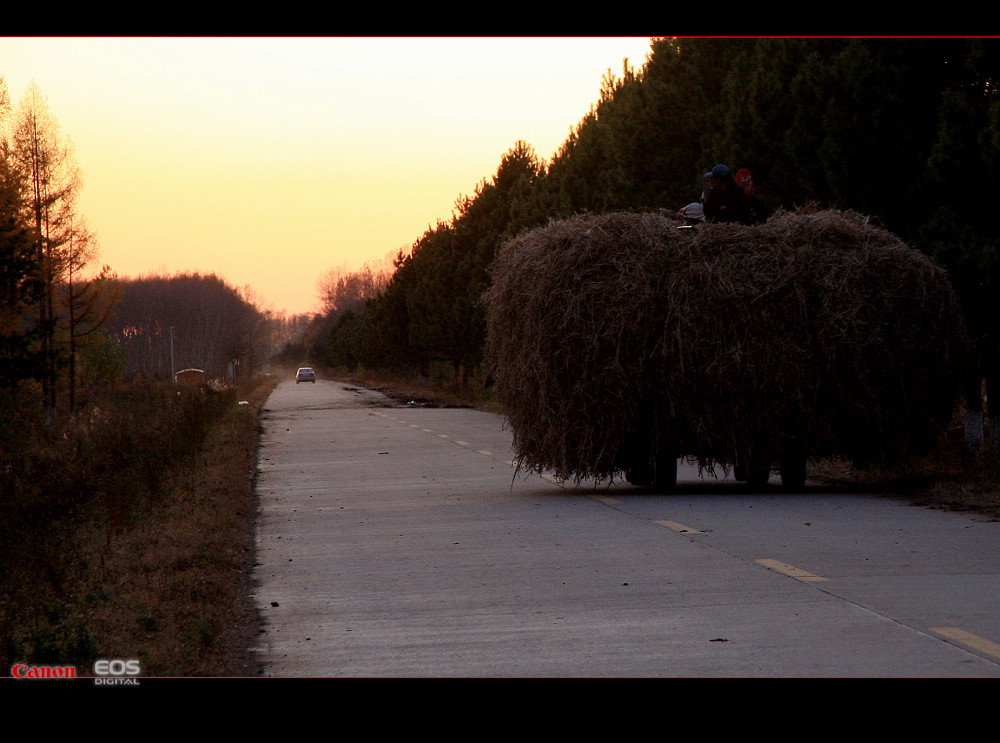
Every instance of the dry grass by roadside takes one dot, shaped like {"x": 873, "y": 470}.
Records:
{"x": 182, "y": 577}
{"x": 151, "y": 566}
{"x": 950, "y": 479}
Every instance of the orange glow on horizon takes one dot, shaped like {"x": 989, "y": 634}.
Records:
{"x": 270, "y": 161}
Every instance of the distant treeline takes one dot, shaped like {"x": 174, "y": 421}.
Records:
{"x": 163, "y": 324}
{"x": 904, "y": 130}
{"x": 68, "y": 330}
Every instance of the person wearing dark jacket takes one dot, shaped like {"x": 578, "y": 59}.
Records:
{"x": 727, "y": 201}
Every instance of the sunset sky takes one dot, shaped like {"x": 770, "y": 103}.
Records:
{"x": 269, "y": 161}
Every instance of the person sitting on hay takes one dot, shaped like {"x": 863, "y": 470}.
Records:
{"x": 727, "y": 201}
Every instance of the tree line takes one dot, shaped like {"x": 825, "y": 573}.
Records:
{"x": 51, "y": 306}
{"x": 164, "y": 324}
{"x": 904, "y": 130}
{"x": 67, "y": 325}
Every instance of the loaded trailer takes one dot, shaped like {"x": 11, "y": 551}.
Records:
{"x": 623, "y": 342}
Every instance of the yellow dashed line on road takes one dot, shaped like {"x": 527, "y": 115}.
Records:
{"x": 484, "y": 452}
{"x": 790, "y": 570}
{"x": 987, "y": 647}
{"x": 678, "y": 527}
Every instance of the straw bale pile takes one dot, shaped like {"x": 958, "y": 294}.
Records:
{"x": 625, "y": 335}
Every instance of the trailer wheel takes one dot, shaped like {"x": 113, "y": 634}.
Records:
{"x": 640, "y": 473}
{"x": 758, "y": 475}
{"x": 793, "y": 471}
{"x": 665, "y": 477}
{"x": 661, "y": 474}
{"x": 754, "y": 470}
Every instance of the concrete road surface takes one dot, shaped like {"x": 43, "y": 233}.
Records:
{"x": 400, "y": 541}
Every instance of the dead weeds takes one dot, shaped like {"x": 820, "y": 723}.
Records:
{"x": 168, "y": 581}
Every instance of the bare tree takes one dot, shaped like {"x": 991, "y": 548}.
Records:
{"x": 342, "y": 289}
{"x": 50, "y": 181}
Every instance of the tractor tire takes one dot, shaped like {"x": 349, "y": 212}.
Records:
{"x": 661, "y": 475}
{"x": 793, "y": 471}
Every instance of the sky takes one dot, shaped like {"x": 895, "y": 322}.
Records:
{"x": 271, "y": 161}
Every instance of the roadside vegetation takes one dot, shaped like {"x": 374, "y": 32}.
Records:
{"x": 128, "y": 532}
{"x": 954, "y": 476}
{"x": 126, "y": 509}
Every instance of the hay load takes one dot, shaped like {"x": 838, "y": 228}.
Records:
{"x": 621, "y": 342}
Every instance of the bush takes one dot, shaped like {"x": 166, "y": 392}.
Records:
{"x": 83, "y": 481}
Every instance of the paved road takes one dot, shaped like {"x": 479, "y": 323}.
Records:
{"x": 400, "y": 541}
